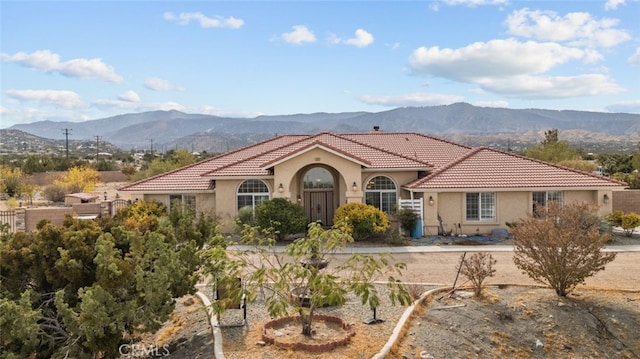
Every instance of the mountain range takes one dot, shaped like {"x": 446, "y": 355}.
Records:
{"x": 460, "y": 122}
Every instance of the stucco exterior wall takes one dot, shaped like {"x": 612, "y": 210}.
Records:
{"x": 290, "y": 173}
{"x": 206, "y": 203}
{"x": 511, "y": 206}
{"x": 225, "y": 202}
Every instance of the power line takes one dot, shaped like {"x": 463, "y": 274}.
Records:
{"x": 67, "y": 132}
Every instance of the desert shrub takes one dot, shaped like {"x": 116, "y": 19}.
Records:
{"x": 245, "y": 217}
{"x": 477, "y": 268}
{"x": 281, "y": 217}
{"x": 561, "y": 245}
{"x": 12, "y": 203}
{"x": 142, "y": 215}
{"x": 627, "y": 221}
{"x": 10, "y": 179}
{"x": 54, "y": 193}
{"x": 408, "y": 219}
{"x": 362, "y": 220}
{"x": 78, "y": 179}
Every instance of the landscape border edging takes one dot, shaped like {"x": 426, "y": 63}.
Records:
{"x": 404, "y": 319}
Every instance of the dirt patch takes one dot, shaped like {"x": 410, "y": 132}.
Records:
{"x": 187, "y": 334}
{"x": 525, "y": 322}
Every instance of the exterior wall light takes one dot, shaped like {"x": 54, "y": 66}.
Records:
{"x": 605, "y": 199}
{"x": 354, "y": 187}
{"x": 280, "y": 188}
{"x": 431, "y": 201}
{"x": 105, "y": 195}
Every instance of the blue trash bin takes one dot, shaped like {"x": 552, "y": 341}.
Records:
{"x": 416, "y": 232}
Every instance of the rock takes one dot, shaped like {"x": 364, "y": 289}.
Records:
{"x": 561, "y": 304}
{"x": 189, "y": 301}
{"x": 261, "y": 343}
{"x": 499, "y": 233}
{"x": 425, "y": 355}
{"x": 278, "y": 333}
{"x": 539, "y": 344}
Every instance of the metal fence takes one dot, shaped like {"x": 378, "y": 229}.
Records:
{"x": 8, "y": 217}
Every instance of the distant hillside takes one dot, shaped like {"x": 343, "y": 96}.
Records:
{"x": 16, "y": 141}
{"x": 171, "y": 129}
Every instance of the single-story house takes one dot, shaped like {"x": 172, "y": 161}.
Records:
{"x": 469, "y": 190}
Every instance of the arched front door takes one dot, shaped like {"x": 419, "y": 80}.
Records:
{"x": 318, "y": 191}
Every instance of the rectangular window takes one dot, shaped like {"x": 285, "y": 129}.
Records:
{"x": 481, "y": 206}
{"x": 543, "y": 198}
{"x": 188, "y": 200}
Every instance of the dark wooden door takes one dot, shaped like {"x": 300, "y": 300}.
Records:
{"x": 318, "y": 205}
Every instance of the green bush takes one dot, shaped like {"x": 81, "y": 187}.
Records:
{"x": 55, "y": 193}
{"x": 245, "y": 217}
{"x": 408, "y": 219}
{"x": 281, "y": 217}
{"x": 363, "y": 220}
{"x": 627, "y": 221}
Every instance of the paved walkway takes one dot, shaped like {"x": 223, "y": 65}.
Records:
{"x": 439, "y": 248}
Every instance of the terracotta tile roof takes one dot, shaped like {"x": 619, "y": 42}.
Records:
{"x": 489, "y": 168}
{"x": 453, "y": 165}
{"x": 433, "y": 150}
{"x": 189, "y": 178}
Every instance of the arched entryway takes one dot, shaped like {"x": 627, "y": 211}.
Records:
{"x": 318, "y": 193}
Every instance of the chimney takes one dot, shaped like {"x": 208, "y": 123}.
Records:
{"x": 376, "y": 128}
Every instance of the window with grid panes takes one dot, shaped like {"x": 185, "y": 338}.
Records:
{"x": 381, "y": 193}
{"x": 480, "y": 206}
{"x": 543, "y": 198}
{"x": 188, "y": 200}
{"x": 251, "y": 193}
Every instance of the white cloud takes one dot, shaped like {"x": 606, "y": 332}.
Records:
{"x": 414, "y": 99}
{"x": 65, "y": 99}
{"x": 206, "y": 22}
{"x": 129, "y": 96}
{"x": 299, "y": 35}
{"x": 626, "y": 107}
{"x": 635, "y": 58}
{"x": 513, "y": 69}
{"x": 362, "y": 38}
{"x": 47, "y": 61}
{"x": 576, "y": 28}
{"x": 157, "y": 84}
{"x": 493, "y": 59}
{"x": 613, "y": 4}
{"x": 474, "y": 3}
{"x": 551, "y": 87}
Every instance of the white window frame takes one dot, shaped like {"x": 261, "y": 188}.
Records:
{"x": 486, "y": 206}
{"x": 256, "y": 197}
{"x": 380, "y": 193}
{"x": 549, "y": 196}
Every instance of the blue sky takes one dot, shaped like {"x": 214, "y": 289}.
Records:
{"x": 84, "y": 60}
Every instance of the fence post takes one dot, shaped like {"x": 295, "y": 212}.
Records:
{"x": 21, "y": 219}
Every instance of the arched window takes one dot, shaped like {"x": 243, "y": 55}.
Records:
{"x": 318, "y": 178}
{"x": 381, "y": 193}
{"x": 251, "y": 193}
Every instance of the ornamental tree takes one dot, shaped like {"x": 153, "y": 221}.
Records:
{"x": 561, "y": 245}
{"x": 294, "y": 279}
